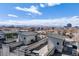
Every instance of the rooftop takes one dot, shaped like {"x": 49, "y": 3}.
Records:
{"x": 27, "y": 33}
{"x": 53, "y": 35}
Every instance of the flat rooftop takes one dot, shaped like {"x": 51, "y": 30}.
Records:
{"x": 53, "y": 35}
{"x": 27, "y": 33}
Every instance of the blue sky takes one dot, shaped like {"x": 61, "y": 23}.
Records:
{"x": 39, "y": 13}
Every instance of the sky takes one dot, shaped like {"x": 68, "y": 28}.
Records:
{"x": 48, "y": 14}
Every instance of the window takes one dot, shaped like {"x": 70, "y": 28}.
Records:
{"x": 24, "y": 38}
{"x": 57, "y": 43}
{"x": 0, "y": 36}
{"x": 74, "y": 47}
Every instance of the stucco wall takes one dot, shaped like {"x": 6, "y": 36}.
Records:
{"x": 52, "y": 43}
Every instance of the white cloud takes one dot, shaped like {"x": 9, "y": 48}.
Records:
{"x": 12, "y": 15}
{"x": 53, "y": 4}
{"x": 48, "y": 4}
{"x": 46, "y": 22}
{"x": 29, "y": 14}
{"x": 32, "y": 9}
{"x": 42, "y": 5}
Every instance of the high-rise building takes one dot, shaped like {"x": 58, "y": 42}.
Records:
{"x": 69, "y": 25}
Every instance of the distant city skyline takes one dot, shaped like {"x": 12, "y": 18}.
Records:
{"x": 48, "y": 14}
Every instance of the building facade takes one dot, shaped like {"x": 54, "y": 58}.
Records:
{"x": 55, "y": 41}
{"x": 27, "y": 37}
